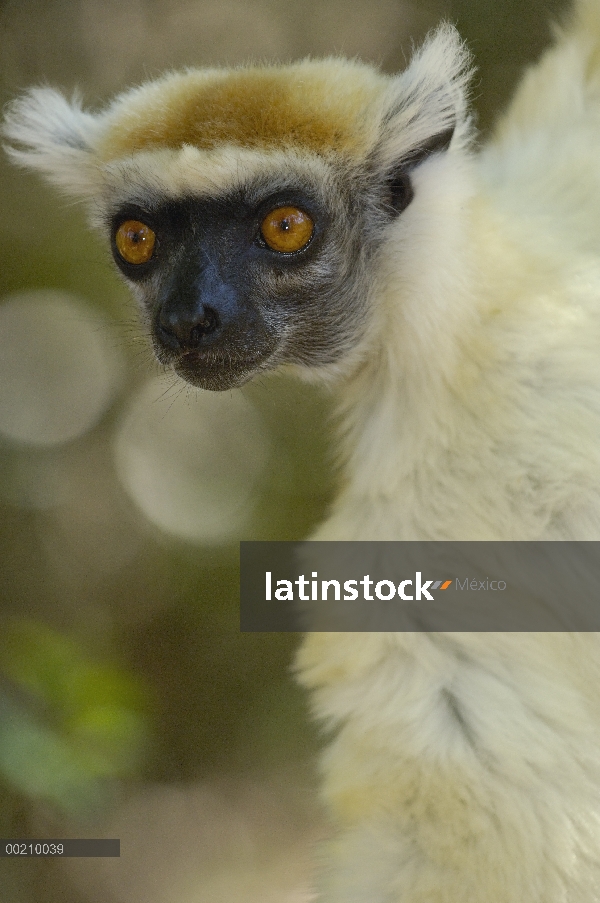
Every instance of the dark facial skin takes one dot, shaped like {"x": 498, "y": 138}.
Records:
{"x": 222, "y": 304}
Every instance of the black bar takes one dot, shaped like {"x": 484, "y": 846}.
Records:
{"x": 414, "y": 586}
{"x": 20, "y": 848}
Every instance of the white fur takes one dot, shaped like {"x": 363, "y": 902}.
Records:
{"x": 466, "y": 767}
{"x": 56, "y": 137}
{"x": 427, "y": 98}
{"x": 186, "y": 171}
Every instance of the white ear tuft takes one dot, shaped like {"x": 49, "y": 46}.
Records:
{"x": 426, "y": 105}
{"x": 47, "y": 133}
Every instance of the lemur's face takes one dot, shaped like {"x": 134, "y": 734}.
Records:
{"x": 246, "y": 207}
{"x": 265, "y": 273}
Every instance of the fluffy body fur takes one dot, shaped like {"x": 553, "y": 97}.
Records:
{"x": 465, "y": 767}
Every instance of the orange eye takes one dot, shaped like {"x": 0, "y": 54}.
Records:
{"x": 135, "y": 241}
{"x": 287, "y": 229}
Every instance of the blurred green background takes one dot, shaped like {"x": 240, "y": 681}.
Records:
{"x": 130, "y": 704}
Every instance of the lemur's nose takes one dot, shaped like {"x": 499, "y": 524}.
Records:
{"x": 182, "y": 329}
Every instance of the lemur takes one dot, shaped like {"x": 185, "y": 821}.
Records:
{"x": 341, "y": 222}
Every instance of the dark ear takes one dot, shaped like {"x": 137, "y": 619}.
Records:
{"x": 424, "y": 110}
{"x": 399, "y": 190}
{"x": 46, "y": 132}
